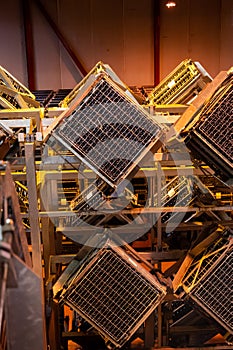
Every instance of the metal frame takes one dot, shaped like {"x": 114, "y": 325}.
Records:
{"x": 58, "y": 130}
{"x": 79, "y": 276}
{"x": 21, "y": 293}
{"x": 206, "y": 271}
{"x": 14, "y": 94}
{"x": 203, "y": 141}
{"x": 181, "y": 86}
{"x": 39, "y": 120}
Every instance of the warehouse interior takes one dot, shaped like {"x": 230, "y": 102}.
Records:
{"x": 116, "y": 175}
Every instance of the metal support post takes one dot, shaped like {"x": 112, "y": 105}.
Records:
{"x": 33, "y": 208}
{"x": 159, "y": 225}
{"x": 34, "y": 222}
{"x": 160, "y": 319}
{"x": 149, "y": 331}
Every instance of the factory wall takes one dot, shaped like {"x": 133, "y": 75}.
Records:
{"x": 198, "y": 29}
{"x": 120, "y": 33}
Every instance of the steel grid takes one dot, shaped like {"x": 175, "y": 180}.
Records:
{"x": 210, "y": 132}
{"x": 214, "y": 292}
{"x": 216, "y": 123}
{"x": 97, "y": 196}
{"x": 208, "y": 280}
{"x": 92, "y": 198}
{"x": 113, "y": 293}
{"x": 108, "y": 131}
{"x": 178, "y": 192}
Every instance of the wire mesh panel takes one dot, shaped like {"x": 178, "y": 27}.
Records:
{"x": 98, "y": 196}
{"x": 91, "y": 199}
{"x": 214, "y": 292}
{"x": 211, "y": 137}
{"x": 108, "y": 131}
{"x": 209, "y": 281}
{"x": 216, "y": 123}
{"x": 177, "y": 192}
{"x": 181, "y": 85}
{"x": 114, "y": 293}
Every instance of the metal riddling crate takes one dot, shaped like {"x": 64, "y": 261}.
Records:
{"x": 107, "y": 130}
{"x": 181, "y": 85}
{"x": 177, "y": 192}
{"x": 8, "y": 79}
{"x": 97, "y": 196}
{"x": 112, "y": 291}
{"x": 210, "y": 137}
{"x": 208, "y": 281}
{"x": 91, "y": 199}
{"x": 99, "y": 68}
{"x": 14, "y": 94}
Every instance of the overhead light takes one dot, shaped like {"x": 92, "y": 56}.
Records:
{"x": 170, "y": 4}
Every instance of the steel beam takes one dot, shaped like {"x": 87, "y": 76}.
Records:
{"x": 61, "y": 37}
{"x": 149, "y": 210}
{"x": 33, "y": 208}
{"x": 10, "y": 192}
{"x": 29, "y": 44}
